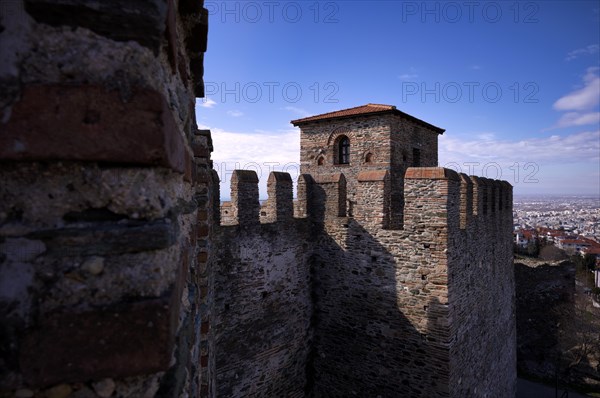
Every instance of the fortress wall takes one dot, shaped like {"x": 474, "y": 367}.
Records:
{"x": 207, "y": 197}
{"x": 419, "y": 307}
{"x": 104, "y": 197}
{"x": 261, "y": 313}
{"x": 262, "y": 310}
{"x": 481, "y": 294}
{"x": 380, "y": 298}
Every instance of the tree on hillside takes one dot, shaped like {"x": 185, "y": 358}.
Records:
{"x": 533, "y": 248}
{"x": 579, "y": 338}
{"x": 589, "y": 262}
{"x": 584, "y": 265}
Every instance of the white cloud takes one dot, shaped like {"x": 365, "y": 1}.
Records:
{"x": 262, "y": 152}
{"x": 486, "y": 136}
{"x": 408, "y": 76}
{"x": 555, "y": 164}
{"x": 578, "y": 119}
{"x": 235, "y": 113}
{"x": 573, "y": 148}
{"x": 298, "y": 111}
{"x": 587, "y": 50}
{"x": 584, "y": 98}
{"x": 265, "y": 151}
{"x": 207, "y": 103}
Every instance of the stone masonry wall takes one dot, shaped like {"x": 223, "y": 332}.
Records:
{"x": 425, "y": 311}
{"x": 407, "y": 135}
{"x": 262, "y": 308}
{"x": 366, "y": 135}
{"x": 394, "y": 301}
{"x": 104, "y": 228}
{"x": 482, "y": 293}
{"x": 377, "y": 142}
{"x": 380, "y": 299}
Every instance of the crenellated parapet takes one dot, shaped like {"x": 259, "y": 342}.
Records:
{"x": 328, "y": 196}
{"x": 491, "y": 197}
{"x": 432, "y": 196}
{"x": 244, "y": 207}
{"x": 244, "y": 197}
{"x": 279, "y": 206}
{"x": 322, "y": 197}
{"x": 373, "y": 198}
{"x": 474, "y": 199}
{"x": 304, "y": 193}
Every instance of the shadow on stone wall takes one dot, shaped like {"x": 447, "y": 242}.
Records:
{"x": 364, "y": 344}
{"x": 544, "y": 295}
{"x": 262, "y": 309}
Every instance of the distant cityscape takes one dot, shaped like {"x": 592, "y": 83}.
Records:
{"x": 570, "y": 222}
{"x": 575, "y": 215}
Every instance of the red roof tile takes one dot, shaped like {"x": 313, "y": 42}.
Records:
{"x": 574, "y": 242}
{"x": 363, "y": 110}
{"x": 591, "y": 250}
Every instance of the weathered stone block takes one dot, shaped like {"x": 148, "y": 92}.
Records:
{"x": 92, "y": 124}
{"x": 139, "y": 20}
{"x": 124, "y": 340}
{"x": 108, "y": 238}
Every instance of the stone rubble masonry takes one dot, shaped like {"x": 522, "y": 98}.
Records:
{"x": 373, "y": 198}
{"x": 303, "y": 193}
{"x": 280, "y": 206}
{"x": 244, "y": 197}
{"x": 262, "y": 309}
{"x": 427, "y": 310}
{"x": 377, "y": 142}
{"x": 329, "y": 195}
{"x": 107, "y": 200}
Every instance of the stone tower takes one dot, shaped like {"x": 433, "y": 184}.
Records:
{"x": 392, "y": 277}
{"x": 368, "y": 138}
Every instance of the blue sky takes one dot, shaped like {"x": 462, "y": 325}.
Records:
{"x": 515, "y": 84}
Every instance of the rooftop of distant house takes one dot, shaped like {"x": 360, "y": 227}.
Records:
{"x": 365, "y": 110}
{"x": 591, "y": 250}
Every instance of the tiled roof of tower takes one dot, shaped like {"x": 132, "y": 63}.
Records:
{"x": 363, "y": 110}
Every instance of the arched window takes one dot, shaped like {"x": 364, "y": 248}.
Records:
{"x": 320, "y": 161}
{"x": 368, "y": 157}
{"x": 343, "y": 150}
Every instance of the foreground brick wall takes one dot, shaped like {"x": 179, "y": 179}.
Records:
{"x": 104, "y": 198}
